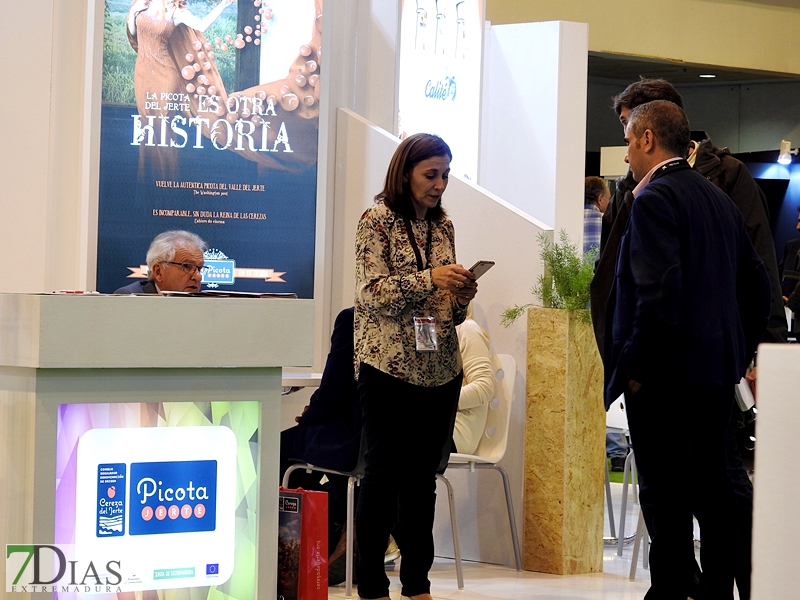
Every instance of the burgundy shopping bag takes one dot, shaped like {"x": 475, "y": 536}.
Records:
{"x": 302, "y": 545}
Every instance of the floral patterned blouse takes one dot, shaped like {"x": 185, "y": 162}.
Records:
{"x": 390, "y": 290}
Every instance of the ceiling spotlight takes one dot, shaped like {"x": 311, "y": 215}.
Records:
{"x": 707, "y": 76}
{"x": 785, "y": 154}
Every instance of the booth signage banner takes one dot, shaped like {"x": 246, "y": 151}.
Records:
{"x": 210, "y": 121}
{"x": 440, "y": 75}
{"x": 164, "y": 493}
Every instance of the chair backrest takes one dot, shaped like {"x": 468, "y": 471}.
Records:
{"x": 494, "y": 440}
{"x": 617, "y": 417}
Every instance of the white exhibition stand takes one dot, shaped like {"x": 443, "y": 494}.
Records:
{"x": 64, "y": 349}
{"x": 776, "y": 511}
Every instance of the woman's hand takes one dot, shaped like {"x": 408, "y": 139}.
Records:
{"x": 450, "y": 278}
{"x": 457, "y": 280}
{"x": 467, "y": 293}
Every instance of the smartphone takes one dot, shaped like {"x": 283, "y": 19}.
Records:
{"x": 480, "y": 267}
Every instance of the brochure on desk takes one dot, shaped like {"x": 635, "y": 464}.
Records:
{"x": 215, "y": 133}
{"x": 168, "y": 492}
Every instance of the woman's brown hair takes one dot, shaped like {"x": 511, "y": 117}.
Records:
{"x": 411, "y": 151}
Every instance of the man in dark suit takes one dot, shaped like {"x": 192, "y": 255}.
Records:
{"x": 720, "y": 168}
{"x": 174, "y": 264}
{"x": 690, "y": 302}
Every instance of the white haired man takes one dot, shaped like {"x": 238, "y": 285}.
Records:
{"x": 174, "y": 264}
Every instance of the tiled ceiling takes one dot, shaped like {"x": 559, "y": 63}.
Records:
{"x": 621, "y": 68}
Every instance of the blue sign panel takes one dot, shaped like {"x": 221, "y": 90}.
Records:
{"x": 111, "y": 500}
{"x": 220, "y": 272}
{"x": 173, "y": 497}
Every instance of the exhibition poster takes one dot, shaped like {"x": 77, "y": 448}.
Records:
{"x": 210, "y": 121}
{"x": 440, "y": 75}
{"x": 159, "y": 496}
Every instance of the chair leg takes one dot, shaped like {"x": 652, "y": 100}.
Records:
{"x": 624, "y": 505}
{"x": 641, "y": 533}
{"x": 634, "y": 478}
{"x": 454, "y": 527}
{"x": 350, "y": 530}
{"x": 610, "y": 504}
{"x": 645, "y": 549}
{"x": 511, "y": 519}
{"x": 288, "y": 473}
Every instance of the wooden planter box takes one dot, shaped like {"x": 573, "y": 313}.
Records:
{"x": 564, "y": 446}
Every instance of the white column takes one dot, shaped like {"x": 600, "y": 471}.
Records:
{"x": 776, "y": 520}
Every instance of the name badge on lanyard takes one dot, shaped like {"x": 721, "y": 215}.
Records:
{"x": 425, "y": 333}
{"x": 424, "y": 325}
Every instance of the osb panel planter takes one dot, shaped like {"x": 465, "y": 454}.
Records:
{"x": 564, "y": 446}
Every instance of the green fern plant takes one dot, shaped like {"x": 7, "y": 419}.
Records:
{"x": 565, "y": 282}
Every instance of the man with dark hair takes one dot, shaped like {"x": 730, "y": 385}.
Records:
{"x": 732, "y": 177}
{"x": 720, "y": 168}
{"x": 690, "y": 301}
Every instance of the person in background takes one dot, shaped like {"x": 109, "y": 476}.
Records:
{"x": 328, "y": 435}
{"x": 595, "y": 201}
{"x": 477, "y": 387}
{"x": 410, "y": 294}
{"x": 174, "y": 264}
{"x": 790, "y": 273}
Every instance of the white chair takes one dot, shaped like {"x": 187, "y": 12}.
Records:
{"x": 489, "y": 452}
{"x": 617, "y": 418}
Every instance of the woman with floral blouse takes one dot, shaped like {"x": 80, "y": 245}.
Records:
{"x": 410, "y": 295}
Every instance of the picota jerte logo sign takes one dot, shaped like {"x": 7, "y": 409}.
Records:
{"x": 173, "y": 497}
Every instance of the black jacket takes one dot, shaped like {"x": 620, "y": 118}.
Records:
{"x": 691, "y": 296}
{"x": 142, "y": 286}
{"x": 331, "y": 426}
{"x": 732, "y": 177}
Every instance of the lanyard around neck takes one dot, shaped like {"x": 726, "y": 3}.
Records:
{"x": 413, "y": 241}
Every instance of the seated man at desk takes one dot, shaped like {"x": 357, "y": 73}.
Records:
{"x": 174, "y": 264}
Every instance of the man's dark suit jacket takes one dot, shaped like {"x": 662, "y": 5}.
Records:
{"x": 729, "y": 175}
{"x": 692, "y": 297}
{"x": 146, "y": 286}
{"x": 330, "y": 429}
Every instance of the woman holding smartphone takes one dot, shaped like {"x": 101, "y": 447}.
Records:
{"x": 410, "y": 295}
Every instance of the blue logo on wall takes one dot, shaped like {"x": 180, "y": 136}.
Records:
{"x": 212, "y": 569}
{"x": 111, "y": 500}
{"x": 441, "y": 90}
{"x": 173, "y": 497}
{"x": 219, "y": 269}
